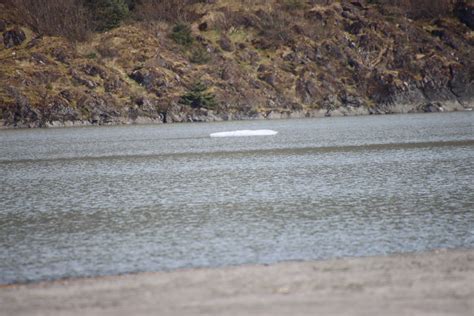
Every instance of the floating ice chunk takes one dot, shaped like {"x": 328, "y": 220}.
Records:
{"x": 243, "y": 133}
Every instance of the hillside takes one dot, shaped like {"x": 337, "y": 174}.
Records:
{"x": 228, "y": 59}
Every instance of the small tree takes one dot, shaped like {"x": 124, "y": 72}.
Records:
{"x": 197, "y": 97}
{"x": 181, "y": 34}
{"x": 107, "y": 13}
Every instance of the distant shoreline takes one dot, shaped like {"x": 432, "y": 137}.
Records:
{"x": 273, "y": 115}
{"x": 440, "y": 281}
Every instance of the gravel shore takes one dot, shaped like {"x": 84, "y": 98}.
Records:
{"x": 433, "y": 283}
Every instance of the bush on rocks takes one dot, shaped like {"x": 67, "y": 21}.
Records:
{"x": 197, "y": 97}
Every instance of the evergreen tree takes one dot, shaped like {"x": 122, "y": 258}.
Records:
{"x": 108, "y": 14}
{"x": 197, "y": 97}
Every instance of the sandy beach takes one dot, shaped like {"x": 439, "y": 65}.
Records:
{"x": 433, "y": 283}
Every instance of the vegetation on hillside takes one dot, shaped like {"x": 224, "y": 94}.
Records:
{"x": 198, "y": 97}
{"x": 110, "y": 61}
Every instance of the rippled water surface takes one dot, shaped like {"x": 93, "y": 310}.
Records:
{"x": 111, "y": 200}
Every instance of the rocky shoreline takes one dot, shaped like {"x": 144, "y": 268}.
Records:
{"x": 203, "y": 116}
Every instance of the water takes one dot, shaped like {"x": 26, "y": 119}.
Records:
{"x": 111, "y": 200}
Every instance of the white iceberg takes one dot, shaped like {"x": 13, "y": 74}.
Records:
{"x": 244, "y": 133}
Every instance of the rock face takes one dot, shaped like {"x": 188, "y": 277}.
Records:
{"x": 145, "y": 110}
{"x": 226, "y": 44}
{"x": 3, "y": 25}
{"x": 21, "y": 113}
{"x": 101, "y": 110}
{"x": 13, "y": 37}
{"x": 59, "y": 109}
{"x": 151, "y": 79}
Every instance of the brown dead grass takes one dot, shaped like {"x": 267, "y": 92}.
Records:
{"x": 316, "y": 36}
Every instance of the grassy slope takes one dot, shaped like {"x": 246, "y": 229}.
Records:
{"x": 282, "y": 60}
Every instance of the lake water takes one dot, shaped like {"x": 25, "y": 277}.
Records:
{"x": 97, "y": 201}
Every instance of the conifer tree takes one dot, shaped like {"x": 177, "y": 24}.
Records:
{"x": 197, "y": 97}
{"x": 107, "y": 14}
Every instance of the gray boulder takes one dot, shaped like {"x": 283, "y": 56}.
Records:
{"x": 13, "y": 37}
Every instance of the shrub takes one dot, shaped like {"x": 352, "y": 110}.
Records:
{"x": 181, "y": 34}
{"x": 200, "y": 55}
{"x": 66, "y": 18}
{"x": 420, "y": 9}
{"x": 106, "y": 51}
{"x": 294, "y": 4}
{"x": 91, "y": 55}
{"x": 197, "y": 97}
{"x": 107, "y": 14}
{"x": 165, "y": 10}
{"x": 131, "y": 4}
{"x": 274, "y": 27}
